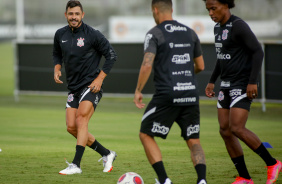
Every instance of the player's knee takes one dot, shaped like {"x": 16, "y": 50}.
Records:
{"x": 236, "y": 130}
{"x": 80, "y": 120}
{"x": 71, "y": 130}
{"x": 144, "y": 136}
{"x": 225, "y": 132}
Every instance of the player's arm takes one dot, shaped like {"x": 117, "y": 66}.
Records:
{"x": 103, "y": 46}
{"x": 57, "y": 73}
{"x": 244, "y": 34}
{"x": 144, "y": 74}
{"x": 95, "y": 86}
{"x": 210, "y": 86}
{"x": 57, "y": 59}
{"x": 199, "y": 64}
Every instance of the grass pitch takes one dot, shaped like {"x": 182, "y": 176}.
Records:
{"x": 35, "y": 143}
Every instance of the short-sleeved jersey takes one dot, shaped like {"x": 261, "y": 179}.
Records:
{"x": 80, "y": 50}
{"x": 235, "y": 54}
{"x": 175, "y": 46}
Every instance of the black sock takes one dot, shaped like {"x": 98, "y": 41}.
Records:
{"x": 241, "y": 167}
{"x": 160, "y": 170}
{"x": 78, "y": 155}
{"x": 201, "y": 172}
{"x": 265, "y": 155}
{"x": 99, "y": 148}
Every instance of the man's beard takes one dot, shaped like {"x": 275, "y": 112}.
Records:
{"x": 78, "y": 23}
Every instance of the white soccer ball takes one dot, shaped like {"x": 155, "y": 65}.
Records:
{"x": 130, "y": 178}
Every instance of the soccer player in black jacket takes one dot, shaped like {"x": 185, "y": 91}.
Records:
{"x": 79, "y": 48}
{"x": 239, "y": 60}
{"x": 174, "y": 52}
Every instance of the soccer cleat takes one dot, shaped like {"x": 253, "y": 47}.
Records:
{"x": 108, "y": 161}
{"x": 202, "y": 182}
{"x": 71, "y": 169}
{"x": 167, "y": 181}
{"x": 273, "y": 172}
{"x": 240, "y": 180}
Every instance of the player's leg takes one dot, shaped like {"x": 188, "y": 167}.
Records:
{"x": 108, "y": 156}
{"x": 71, "y": 128}
{"x": 154, "y": 156}
{"x": 151, "y": 148}
{"x": 82, "y": 117}
{"x": 156, "y": 121}
{"x": 198, "y": 159}
{"x": 232, "y": 143}
{"x": 233, "y": 146}
{"x": 189, "y": 122}
{"x": 238, "y": 121}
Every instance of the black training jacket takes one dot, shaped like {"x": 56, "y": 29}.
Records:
{"x": 80, "y": 50}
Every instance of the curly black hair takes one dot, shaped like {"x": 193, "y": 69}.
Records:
{"x": 230, "y": 3}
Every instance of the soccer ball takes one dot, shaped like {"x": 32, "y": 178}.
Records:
{"x": 130, "y": 178}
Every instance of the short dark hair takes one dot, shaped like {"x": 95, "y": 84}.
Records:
{"x": 72, "y": 4}
{"x": 168, "y": 2}
{"x": 230, "y": 3}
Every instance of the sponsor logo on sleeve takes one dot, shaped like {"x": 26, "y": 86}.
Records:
{"x": 147, "y": 40}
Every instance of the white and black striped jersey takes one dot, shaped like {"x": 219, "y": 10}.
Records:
{"x": 175, "y": 46}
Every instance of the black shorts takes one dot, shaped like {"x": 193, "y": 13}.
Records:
{"x": 158, "y": 120}
{"x": 85, "y": 94}
{"x": 228, "y": 98}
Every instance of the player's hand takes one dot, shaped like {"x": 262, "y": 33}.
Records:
{"x": 252, "y": 91}
{"x": 209, "y": 90}
{"x": 57, "y": 75}
{"x": 95, "y": 86}
{"x": 138, "y": 97}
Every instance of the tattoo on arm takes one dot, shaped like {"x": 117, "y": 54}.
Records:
{"x": 148, "y": 59}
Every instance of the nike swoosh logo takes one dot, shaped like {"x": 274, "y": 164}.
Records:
{"x": 63, "y": 41}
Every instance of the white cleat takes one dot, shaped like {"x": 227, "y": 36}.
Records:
{"x": 71, "y": 169}
{"x": 202, "y": 182}
{"x": 108, "y": 161}
{"x": 167, "y": 181}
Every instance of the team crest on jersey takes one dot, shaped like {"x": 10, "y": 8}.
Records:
{"x": 220, "y": 96}
{"x": 225, "y": 34}
{"x": 80, "y": 42}
{"x": 70, "y": 98}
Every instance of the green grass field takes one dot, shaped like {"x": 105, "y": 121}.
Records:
{"x": 35, "y": 143}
